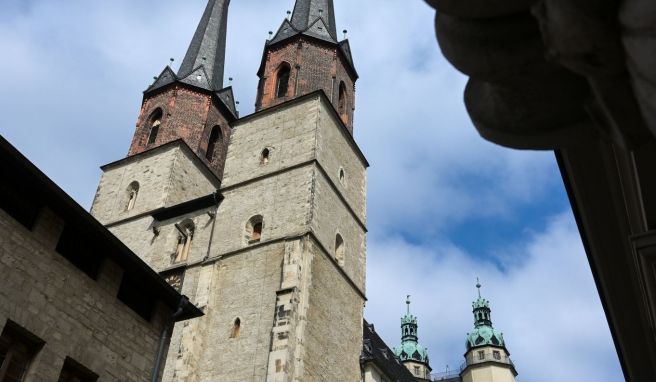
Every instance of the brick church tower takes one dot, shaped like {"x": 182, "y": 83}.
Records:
{"x": 305, "y": 55}
{"x": 192, "y": 105}
{"x": 260, "y": 220}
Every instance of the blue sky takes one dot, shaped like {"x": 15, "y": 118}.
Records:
{"x": 444, "y": 206}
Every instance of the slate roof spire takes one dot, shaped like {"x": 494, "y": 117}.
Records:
{"x": 307, "y": 12}
{"x": 207, "y": 48}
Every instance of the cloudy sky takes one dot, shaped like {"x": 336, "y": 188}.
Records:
{"x": 445, "y": 206}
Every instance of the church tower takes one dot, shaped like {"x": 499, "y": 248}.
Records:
{"x": 306, "y": 55}
{"x": 192, "y": 104}
{"x": 486, "y": 359}
{"x": 260, "y": 220}
{"x": 413, "y": 356}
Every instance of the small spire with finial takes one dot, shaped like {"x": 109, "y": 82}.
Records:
{"x": 171, "y": 60}
{"x": 478, "y": 286}
{"x": 270, "y": 35}
{"x": 229, "y": 81}
{"x": 289, "y": 15}
{"x": 345, "y": 33}
{"x": 407, "y": 301}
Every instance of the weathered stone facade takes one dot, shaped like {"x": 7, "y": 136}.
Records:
{"x": 74, "y": 300}
{"x": 287, "y": 289}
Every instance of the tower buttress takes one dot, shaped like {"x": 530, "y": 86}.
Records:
{"x": 192, "y": 105}
{"x": 306, "y": 55}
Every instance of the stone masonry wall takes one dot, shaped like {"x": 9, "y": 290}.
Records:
{"x": 334, "y": 153}
{"x": 242, "y": 286}
{"x": 166, "y": 178}
{"x": 289, "y": 134}
{"x": 75, "y": 315}
{"x": 333, "y": 338}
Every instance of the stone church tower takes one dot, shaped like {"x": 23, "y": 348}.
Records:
{"x": 260, "y": 221}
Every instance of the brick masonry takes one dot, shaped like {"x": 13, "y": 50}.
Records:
{"x": 188, "y": 114}
{"x": 314, "y": 65}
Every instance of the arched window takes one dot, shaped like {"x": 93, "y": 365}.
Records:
{"x": 340, "y": 249}
{"x": 342, "y": 176}
{"x": 342, "y": 99}
{"x": 236, "y": 328}
{"x": 282, "y": 83}
{"x": 264, "y": 157}
{"x": 154, "y": 122}
{"x": 216, "y": 138}
{"x": 132, "y": 192}
{"x": 185, "y": 237}
{"x": 254, "y": 229}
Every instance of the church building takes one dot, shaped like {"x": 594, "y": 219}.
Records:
{"x": 260, "y": 221}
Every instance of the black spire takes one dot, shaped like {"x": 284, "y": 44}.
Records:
{"x": 307, "y": 12}
{"x": 207, "y": 48}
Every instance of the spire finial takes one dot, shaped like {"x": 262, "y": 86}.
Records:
{"x": 478, "y": 286}
{"x": 407, "y": 301}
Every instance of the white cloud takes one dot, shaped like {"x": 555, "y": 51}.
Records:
{"x": 546, "y": 306}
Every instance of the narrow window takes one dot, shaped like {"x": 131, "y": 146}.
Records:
{"x": 185, "y": 237}
{"x": 417, "y": 371}
{"x": 75, "y": 372}
{"x": 257, "y": 232}
{"x": 254, "y": 229}
{"x": 339, "y": 249}
{"x": 341, "y": 106}
{"x": 481, "y": 355}
{"x": 282, "y": 85}
{"x": 342, "y": 176}
{"x": 236, "y": 328}
{"x": 496, "y": 355}
{"x": 132, "y": 192}
{"x": 17, "y": 349}
{"x": 154, "y": 122}
{"x": 264, "y": 157}
{"x": 214, "y": 142}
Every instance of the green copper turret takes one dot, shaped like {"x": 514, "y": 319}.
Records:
{"x": 484, "y": 334}
{"x": 410, "y": 350}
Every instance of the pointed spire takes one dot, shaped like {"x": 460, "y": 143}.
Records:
{"x": 207, "y": 48}
{"x": 306, "y": 12}
{"x": 407, "y": 301}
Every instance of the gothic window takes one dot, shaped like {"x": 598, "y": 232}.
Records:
{"x": 264, "y": 157}
{"x": 154, "y": 122}
{"x": 185, "y": 237}
{"x": 75, "y": 372}
{"x": 282, "y": 83}
{"x": 481, "y": 355}
{"x": 17, "y": 348}
{"x": 236, "y": 328}
{"x": 342, "y": 176}
{"x": 215, "y": 141}
{"x": 132, "y": 192}
{"x": 340, "y": 249}
{"x": 341, "y": 106}
{"x": 417, "y": 370}
{"x": 496, "y": 355}
{"x": 254, "y": 229}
